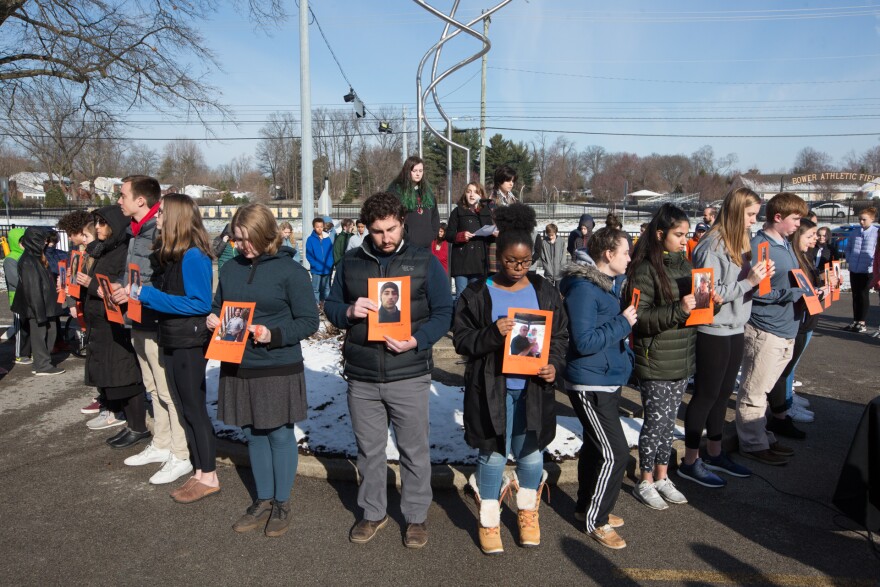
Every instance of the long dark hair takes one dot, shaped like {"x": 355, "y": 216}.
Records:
{"x": 409, "y": 191}
{"x": 805, "y": 264}
{"x": 650, "y": 248}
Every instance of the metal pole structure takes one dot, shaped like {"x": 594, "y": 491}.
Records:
{"x": 305, "y": 109}
{"x": 449, "y": 169}
{"x": 405, "y": 136}
{"x": 483, "y": 108}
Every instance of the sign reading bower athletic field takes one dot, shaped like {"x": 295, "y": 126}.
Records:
{"x": 833, "y": 176}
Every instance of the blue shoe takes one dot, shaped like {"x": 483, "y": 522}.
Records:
{"x": 725, "y": 464}
{"x": 698, "y": 473}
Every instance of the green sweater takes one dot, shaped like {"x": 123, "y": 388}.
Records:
{"x": 665, "y": 348}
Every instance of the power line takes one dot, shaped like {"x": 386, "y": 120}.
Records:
{"x": 678, "y": 81}
{"x": 685, "y": 136}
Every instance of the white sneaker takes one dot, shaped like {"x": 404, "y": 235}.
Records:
{"x": 800, "y": 414}
{"x": 151, "y": 454}
{"x": 171, "y": 471}
{"x": 668, "y": 491}
{"x": 646, "y": 493}
{"x": 799, "y": 400}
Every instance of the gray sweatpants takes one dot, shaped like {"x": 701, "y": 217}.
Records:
{"x": 405, "y": 404}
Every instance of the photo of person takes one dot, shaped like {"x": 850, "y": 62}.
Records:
{"x": 702, "y": 290}
{"x": 134, "y": 278}
{"x": 389, "y": 302}
{"x": 108, "y": 301}
{"x": 234, "y": 327}
{"x": 528, "y": 335}
{"x": 62, "y": 274}
{"x": 804, "y": 284}
{"x": 74, "y": 266}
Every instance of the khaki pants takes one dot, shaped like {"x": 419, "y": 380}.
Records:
{"x": 167, "y": 432}
{"x": 766, "y": 356}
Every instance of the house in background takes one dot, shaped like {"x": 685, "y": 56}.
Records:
{"x": 197, "y": 192}
{"x": 103, "y": 187}
{"x": 32, "y": 185}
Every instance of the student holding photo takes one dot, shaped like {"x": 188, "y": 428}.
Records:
{"x": 180, "y": 291}
{"x": 111, "y": 362}
{"x": 665, "y": 349}
{"x": 598, "y": 364}
{"x": 725, "y": 248}
{"x": 266, "y": 393}
{"x": 506, "y": 414}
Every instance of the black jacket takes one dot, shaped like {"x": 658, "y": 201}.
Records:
{"x": 468, "y": 258}
{"x": 476, "y": 336}
{"x": 35, "y": 297}
{"x": 111, "y": 361}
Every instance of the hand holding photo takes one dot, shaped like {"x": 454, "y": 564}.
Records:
{"x": 114, "y": 314}
{"x": 62, "y": 279}
{"x": 134, "y": 290}
{"x": 230, "y": 337}
{"x": 527, "y": 345}
{"x": 636, "y": 297}
{"x": 702, "y": 287}
{"x": 392, "y": 296}
{"x": 835, "y": 269}
{"x": 814, "y": 306}
{"x": 73, "y": 267}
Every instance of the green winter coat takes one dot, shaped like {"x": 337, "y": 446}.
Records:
{"x": 665, "y": 348}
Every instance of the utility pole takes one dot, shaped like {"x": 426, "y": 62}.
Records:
{"x": 449, "y": 169}
{"x": 305, "y": 112}
{"x": 486, "y": 20}
{"x": 405, "y": 136}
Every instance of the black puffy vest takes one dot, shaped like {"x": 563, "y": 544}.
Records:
{"x": 372, "y": 361}
{"x": 176, "y": 331}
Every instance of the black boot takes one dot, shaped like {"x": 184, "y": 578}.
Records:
{"x": 785, "y": 427}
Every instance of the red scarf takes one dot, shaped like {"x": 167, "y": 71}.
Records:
{"x": 136, "y": 226}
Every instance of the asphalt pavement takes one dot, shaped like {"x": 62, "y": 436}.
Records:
{"x": 72, "y": 513}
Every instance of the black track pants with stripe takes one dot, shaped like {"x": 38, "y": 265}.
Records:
{"x": 604, "y": 455}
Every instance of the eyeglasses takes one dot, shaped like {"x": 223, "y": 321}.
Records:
{"x": 514, "y": 264}
{"x": 160, "y": 212}
{"x": 100, "y": 221}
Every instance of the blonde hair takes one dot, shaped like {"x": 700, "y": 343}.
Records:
{"x": 257, "y": 221}
{"x": 730, "y": 224}
{"x": 182, "y": 229}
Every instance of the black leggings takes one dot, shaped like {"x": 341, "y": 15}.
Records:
{"x": 718, "y": 362}
{"x": 185, "y": 371}
{"x": 860, "y": 300}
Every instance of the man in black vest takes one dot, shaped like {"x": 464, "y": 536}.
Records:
{"x": 391, "y": 379}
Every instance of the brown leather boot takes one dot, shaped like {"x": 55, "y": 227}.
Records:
{"x": 527, "y": 502}
{"x": 488, "y": 521}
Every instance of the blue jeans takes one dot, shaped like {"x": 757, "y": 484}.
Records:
{"x": 321, "y": 287}
{"x": 461, "y": 282}
{"x": 274, "y": 458}
{"x": 789, "y": 381}
{"x": 521, "y": 443}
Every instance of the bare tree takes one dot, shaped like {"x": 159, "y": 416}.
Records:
{"x": 809, "y": 160}
{"x": 182, "y": 162}
{"x": 99, "y": 157}
{"x": 140, "y": 160}
{"x": 12, "y": 160}
{"x": 591, "y": 160}
{"x": 113, "y": 53}
{"x": 278, "y": 153}
{"x": 50, "y": 126}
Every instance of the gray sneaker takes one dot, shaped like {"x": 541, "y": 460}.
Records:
{"x": 105, "y": 419}
{"x": 668, "y": 491}
{"x": 646, "y": 493}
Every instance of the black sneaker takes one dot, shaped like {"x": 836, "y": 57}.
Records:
{"x": 724, "y": 464}
{"x": 364, "y": 530}
{"x": 785, "y": 427}
{"x": 49, "y": 371}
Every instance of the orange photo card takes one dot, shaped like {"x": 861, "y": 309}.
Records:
{"x": 702, "y": 286}
{"x": 392, "y": 319}
{"x": 114, "y": 314}
{"x": 637, "y": 295}
{"x": 835, "y": 268}
{"x": 814, "y": 306}
{"x": 527, "y": 346}
{"x": 74, "y": 266}
{"x": 828, "y": 299}
{"x": 62, "y": 279}
{"x": 764, "y": 257}
{"x": 134, "y": 282}
{"x": 230, "y": 336}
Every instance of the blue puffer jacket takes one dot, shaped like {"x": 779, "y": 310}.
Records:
{"x": 598, "y": 353}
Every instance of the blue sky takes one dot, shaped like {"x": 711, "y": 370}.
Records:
{"x": 639, "y": 68}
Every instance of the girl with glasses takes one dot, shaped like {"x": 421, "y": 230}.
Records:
{"x": 508, "y": 414}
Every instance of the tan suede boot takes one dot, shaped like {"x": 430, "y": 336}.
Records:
{"x": 489, "y": 521}
{"x": 527, "y": 502}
